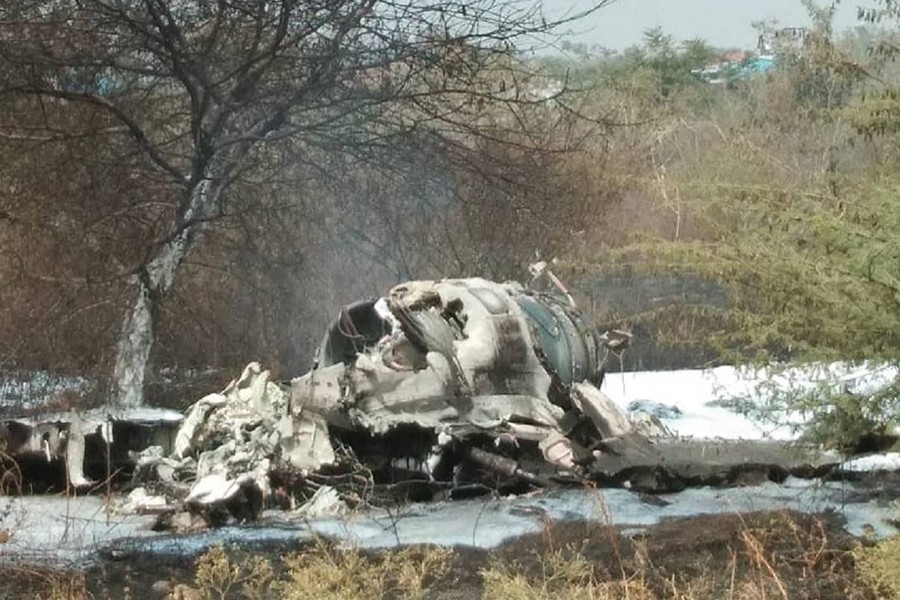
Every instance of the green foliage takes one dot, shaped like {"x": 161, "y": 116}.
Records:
{"x": 879, "y": 566}
{"x": 812, "y": 277}
{"x": 843, "y": 418}
{"x": 770, "y": 195}
{"x": 671, "y": 64}
{"x": 842, "y": 405}
{"x": 808, "y": 276}
{"x": 663, "y": 64}
{"x": 878, "y": 112}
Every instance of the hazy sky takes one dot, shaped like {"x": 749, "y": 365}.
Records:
{"x": 722, "y": 23}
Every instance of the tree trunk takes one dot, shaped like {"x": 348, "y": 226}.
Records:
{"x": 133, "y": 349}
{"x": 153, "y": 283}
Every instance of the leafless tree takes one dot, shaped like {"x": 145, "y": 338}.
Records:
{"x": 205, "y": 91}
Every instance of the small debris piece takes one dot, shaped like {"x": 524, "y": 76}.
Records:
{"x": 142, "y": 503}
{"x": 326, "y": 502}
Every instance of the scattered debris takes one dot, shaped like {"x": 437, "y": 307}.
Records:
{"x": 440, "y": 389}
{"x": 440, "y": 384}
{"x": 443, "y": 383}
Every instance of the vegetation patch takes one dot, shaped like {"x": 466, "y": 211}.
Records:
{"x": 774, "y": 555}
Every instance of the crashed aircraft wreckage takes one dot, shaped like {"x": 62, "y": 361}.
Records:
{"x": 460, "y": 385}
{"x": 435, "y": 382}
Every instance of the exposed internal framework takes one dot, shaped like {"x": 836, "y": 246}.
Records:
{"x": 80, "y": 446}
{"x": 452, "y": 383}
{"x": 465, "y": 358}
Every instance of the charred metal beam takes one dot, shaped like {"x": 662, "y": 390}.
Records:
{"x": 503, "y": 466}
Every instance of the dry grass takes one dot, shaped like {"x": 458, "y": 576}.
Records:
{"x": 325, "y": 574}
{"x": 322, "y": 573}
{"x": 219, "y": 576}
{"x": 43, "y": 584}
{"x": 764, "y": 556}
{"x": 564, "y": 576}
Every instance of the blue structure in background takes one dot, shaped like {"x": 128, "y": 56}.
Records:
{"x": 758, "y": 65}
{"x": 731, "y": 72}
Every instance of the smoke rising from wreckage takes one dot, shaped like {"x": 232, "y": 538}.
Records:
{"x": 440, "y": 388}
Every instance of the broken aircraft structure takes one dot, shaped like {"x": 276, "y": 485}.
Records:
{"x": 454, "y": 386}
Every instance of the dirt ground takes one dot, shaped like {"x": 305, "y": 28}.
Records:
{"x": 758, "y": 555}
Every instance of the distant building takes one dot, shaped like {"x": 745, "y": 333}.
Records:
{"x": 786, "y": 39}
{"x": 733, "y": 66}
{"x": 734, "y": 57}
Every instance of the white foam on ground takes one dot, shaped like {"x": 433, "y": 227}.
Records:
{"x": 63, "y": 528}
{"x": 685, "y": 402}
{"x": 703, "y": 404}
{"x": 888, "y": 461}
{"x": 492, "y": 522}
